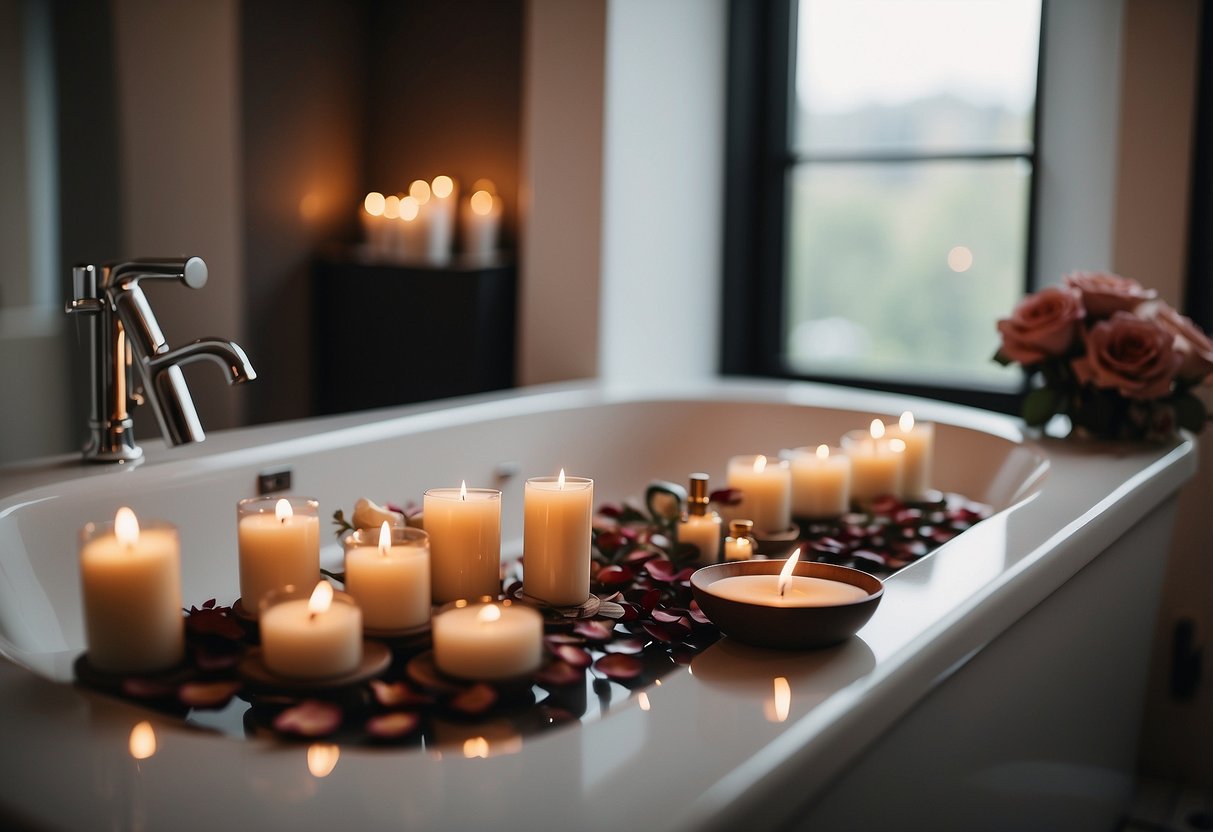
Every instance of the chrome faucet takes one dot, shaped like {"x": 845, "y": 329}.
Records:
{"x": 130, "y": 361}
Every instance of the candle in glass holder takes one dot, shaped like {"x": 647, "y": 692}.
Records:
{"x": 876, "y": 463}
{"x": 130, "y": 579}
{"x": 279, "y": 542}
{"x": 920, "y": 449}
{"x": 488, "y": 640}
{"x": 821, "y": 482}
{"x": 766, "y": 492}
{"x": 312, "y": 633}
{"x": 464, "y": 525}
{"x": 739, "y": 545}
{"x": 557, "y": 516}
{"x": 387, "y": 571}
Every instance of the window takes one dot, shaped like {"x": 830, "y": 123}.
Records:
{"x": 893, "y": 157}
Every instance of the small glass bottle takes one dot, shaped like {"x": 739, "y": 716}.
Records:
{"x": 699, "y": 526}
{"x": 740, "y": 544}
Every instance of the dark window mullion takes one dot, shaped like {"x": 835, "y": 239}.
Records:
{"x": 792, "y": 159}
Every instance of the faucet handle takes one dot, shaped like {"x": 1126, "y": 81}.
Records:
{"x": 191, "y": 271}
{"x": 84, "y": 287}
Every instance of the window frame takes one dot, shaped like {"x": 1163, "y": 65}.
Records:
{"x": 758, "y": 157}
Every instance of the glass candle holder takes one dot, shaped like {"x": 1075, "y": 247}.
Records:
{"x": 310, "y": 632}
{"x": 279, "y": 542}
{"x": 464, "y": 525}
{"x": 557, "y": 517}
{"x": 488, "y": 639}
{"x": 387, "y": 571}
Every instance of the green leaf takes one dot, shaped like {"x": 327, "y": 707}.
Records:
{"x": 1040, "y": 405}
{"x": 1190, "y": 412}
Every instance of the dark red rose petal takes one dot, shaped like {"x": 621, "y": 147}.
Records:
{"x": 392, "y": 726}
{"x": 397, "y": 695}
{"x": 208, "y": 694}
{"x": 574, "y": 656}
{"x": 661, "y": 569}
{"x": 615, "y": 576}
{"x": 552, "y": 639}
{"x": 310, "y": 718}
{"x": 594, "y": 630}
{"x": 665, "y": 617}
{"x": 138, "y": 688}
{"x": 475, "y": 700}
{"x": 559, "y": 674}
{"x": 619, "y": 666}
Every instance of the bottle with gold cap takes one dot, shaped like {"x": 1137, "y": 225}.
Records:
{"x": 699, "y": 526}
{"x": 739, "y": 545}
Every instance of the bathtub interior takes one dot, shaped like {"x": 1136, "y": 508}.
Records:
{"x": 622, "y": 445}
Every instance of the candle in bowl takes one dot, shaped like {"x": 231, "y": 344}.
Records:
{"x": 131, "y": 582}
{"x": 876, "y": 463}
{"x": 488, "y": 640}
{"x": 279, "y": 543}
{"x": 787, "y": 589}
{"x": 314, "y": 633}
{"x": 821, "y": 482}
{"x": 556, "y": 534}
{"x": 464, "y": 525}
{"x": 387, "y": 572}
{"x": 920, "y": 450}
{"x": 766, "y": 492}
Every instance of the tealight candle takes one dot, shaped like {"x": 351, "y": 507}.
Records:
{"x": 920, "y": 448}
{"x": 876, "y": 463}
{"x": 739, "y": 545}
{"x": 279, "y": 543}
{"x": 766, "y": 492}
{"x": 557, "y": 515}
{"x": 821, "y": 482}
{"x": 314, "y": 636}
{"x": 389, "y": 580}
{"x": 131, "y": 582}
{"x": 786, "y": 589}
{"x": 488, "y": 640}
{"x": 464, "y": 525}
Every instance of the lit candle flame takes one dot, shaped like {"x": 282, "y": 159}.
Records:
{"x": 420, "y": 191}
{"x": 391, "y": 207}
{"x": 476, "y": 747}
{"x": 760, "y": 464}
{"x": 642, "y": 699}
{"x": 560, "y": 480}
{"x": 283, "y": 510}
{"x": 374, "y": 204}
{"x": 142, "y": 743}
{"x": 785, "y": 574}
{"x": 877, "y": 429}
{"x": 823, "y": 451}
{"x": 321, "y": 600}
{"x": 489, "y": 612}
{"x": 443, "y": 186}
{"x": 781, "y": 700}
{"x": 322, "y": 758}
{"x": 463, "y": 490}
{"x": 409, "y": 209}
{"x": 126, "y": 527}
{"x": 906, "y": 422}
{"x": 897, "y": 445}
{"x": 482, "y": 203}
{"x": 385, "y": 539}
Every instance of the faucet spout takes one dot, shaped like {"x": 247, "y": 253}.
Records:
{"x": 227, "y": 354}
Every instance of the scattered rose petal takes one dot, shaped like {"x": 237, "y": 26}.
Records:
{"x": 661, "y": 569}
{"x": 610, "y": 510}
{"x": 594, "y": 630}
{"x": 697, "y": 614}
{"x": 574, "y": 656}
{"x": 725, "y": 496}
{"x": 397, "y": 694}
{"x": 638, "y": 556}
{"x": 559, "y": 674}
{"x": 474, "y": 700}
{"x": 615, "y": 576}
{"x": 139, "y": 688}
{"x": 208, "y": 694}
{"x": 609, "y": 541}
{"x": 392, "y": 726}
{"x": 562, "y": 638}
{"x": 310, "y": 718}
{"x": 619, "y": 666}
{"x": 211, "y": 660}
{"x": 630, "y": 611}
{"x": 649, "y": 601}
{"x": 214, "y": 622}
{"x": 665, "y": 617}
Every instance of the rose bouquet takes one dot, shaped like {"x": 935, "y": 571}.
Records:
{"x": 1107, "y": 353}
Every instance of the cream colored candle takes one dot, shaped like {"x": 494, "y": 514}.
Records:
{"x": 801, "y": 592}
{"x": 279, "y": 541}
{"x": 410, "y": 230}
{"x": 876, "y": 463}
{"x": 488, "y": 641}
{"x": 374, "y": 228}
{"x": 131, "y": 583}
{"x": 739, "y": 545}
{"x": 920, "y": 451}
{"x": 464, "y": 525}
{"x": 387, "y": 572}
{"x": 766, "y": 492}
{"x": 557, "y": 513}
{"x": 481, "y": 222}
{"x": 314, "y": 636}
{"x": 440, "y": 219}
{"x": 821, "y": 482}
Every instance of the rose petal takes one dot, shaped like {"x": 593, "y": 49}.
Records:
{"x": 594, "y": 630}
{"x": 665, "y": 617}
{"x": 397, "y": 694}
{"x": 208, "y": 694}
{"x": 475, "y": 700}
{"x": 574, "y": 656}
{"x": 697, "y": 614}
{"x": 559, "y": 674}
{"x": 310, "y": 718}
{"x": 619, "y": 666}
{"x": 393, "y": 725}
{"x": 138, "y": 688}
{"x": 615, "y": 576}
{"x": 562, "y": 638}
{"x": 210, "y": 660}
{"x": 661, "y": 569}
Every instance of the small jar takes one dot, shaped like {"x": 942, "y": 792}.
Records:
{"x": 740, "y": 544}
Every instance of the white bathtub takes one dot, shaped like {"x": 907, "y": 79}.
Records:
{"x": 999, "y": 685}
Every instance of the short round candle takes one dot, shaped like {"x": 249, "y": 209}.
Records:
{"x": 920, "y": 450}
{"x": 130, "y": 578}
{"x": 557, "y": 530}
{"x": 787, "y": 589}
{"x": 464, "y": 525}
{"x": 310, "y": 634}
{"x": 387, "y": 572}
{"x": 766, "y": 492}
{"x": 876, "y": 463}
{"x": 821, "y": 482}
{"x": 488, "y": 640}
{"x": 279, "y": 543}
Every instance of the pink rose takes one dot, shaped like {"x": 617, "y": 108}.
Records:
{"x": 1195, "y": 348}
{"x": 1042, "y": 325}
{"x": 1135, "y": 356}
{"x": 1104, "y": 293}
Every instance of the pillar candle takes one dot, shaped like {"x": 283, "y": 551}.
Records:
{"x": 374, "y": 227}
{"x": 488, "y": 641}
{"x": 876, "y": 463}
{"x": 464, "y": 525}
{"x": 440, "y": 219}
{"x": 131, "y": 583}
{"x": 704, "y": 532}
{"x": 317, "y": 635}
{"x": 481, "y": 224}
{"x": 766, "y": 492}
{"x": 821, "y": 482}
{"x": 557, "y": 514}
{"x": 279, "y": 542}
{"x": 387, "y": 572}
{"x": 920, "y": 450}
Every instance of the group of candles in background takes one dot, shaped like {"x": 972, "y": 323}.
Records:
{"x": 420, "y": 226}
{"x": 395, "y": 574}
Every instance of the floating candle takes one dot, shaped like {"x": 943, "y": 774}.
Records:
{"x": 317, "y": 636}
{"x": 464, "y": 525}
{"x": 279, "y": 543}
{"x": 821, "y": 482}
{"x": 766, "y": 492}
{"x": 556, "y": 538}
{"x": 130, "y": 579}
{"x": 786, "y": 589}
{"x": 488, "y": 640}
{"x": 389, "y": 580}
{"x": 920, "y": 450}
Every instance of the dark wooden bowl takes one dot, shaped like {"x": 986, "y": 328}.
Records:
{"x": 786, "y": 628}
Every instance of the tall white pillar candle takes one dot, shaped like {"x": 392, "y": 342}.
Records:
{"x": 131, "y": 582}
{"x": 766, "y": 492}
{"x": 488, "y": 641}
{"x": 821, "y": 482}
{"x": 557, "y": 515}
{"x": 387, "y": 572}
{"x": 464, "y": 525}
{"x": 876, "y": 463}
{"x": 279, "y": 542}
{"x": 481, "y": 224}
{"x": 440, "y": 219}
{"x": 313, "y": 633}
{"x": 920, "y": 451}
